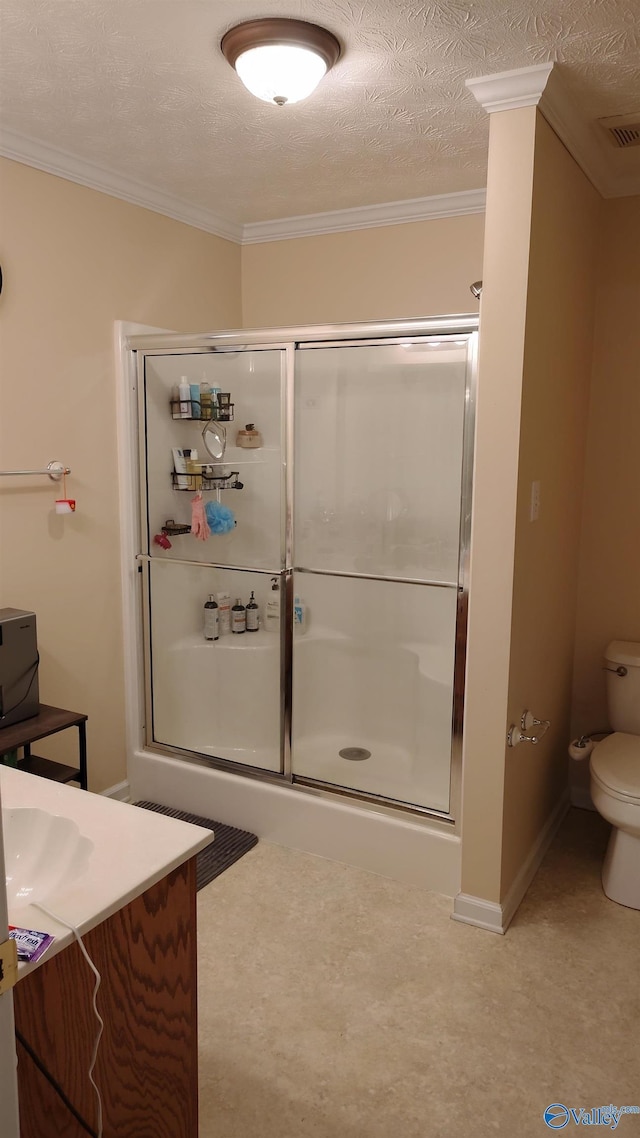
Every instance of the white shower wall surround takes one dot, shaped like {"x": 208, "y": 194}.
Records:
{"x": 343, "y": 737}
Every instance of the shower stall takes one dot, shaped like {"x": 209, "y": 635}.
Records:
{"x": 349, "y": 524}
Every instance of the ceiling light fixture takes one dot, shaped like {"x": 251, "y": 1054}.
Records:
{"x": 279, "y": 60}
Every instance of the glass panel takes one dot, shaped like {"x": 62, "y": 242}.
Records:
{"x": 218, "y": 698}
{"x": 254, "y": 382}
{"x": 379, "y": 432}
{"x": 373, "y": 666}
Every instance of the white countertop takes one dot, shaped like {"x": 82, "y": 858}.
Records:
{"x": 133, "y": 850}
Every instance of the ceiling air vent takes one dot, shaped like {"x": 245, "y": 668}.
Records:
{"x": 622, "y": 130}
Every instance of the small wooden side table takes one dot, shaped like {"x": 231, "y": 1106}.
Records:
{"x": 49, "y": 721}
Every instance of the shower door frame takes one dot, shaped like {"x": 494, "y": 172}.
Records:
{"x": 287, "y": 339}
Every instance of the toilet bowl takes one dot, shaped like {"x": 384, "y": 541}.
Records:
{"x": 615, "y": 790}
{"x": 615, "y": 773}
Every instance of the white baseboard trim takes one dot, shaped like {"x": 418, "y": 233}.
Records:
{"x": 495, "y": 917}
{"x": 474, "y": 911}
{"x": 121, "y": 792}
{"x": 532, "y": 864}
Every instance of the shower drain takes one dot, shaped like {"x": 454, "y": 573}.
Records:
{"x": 356, "y": 754}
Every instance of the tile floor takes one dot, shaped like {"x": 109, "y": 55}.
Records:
{"x": 338, "y": 1004}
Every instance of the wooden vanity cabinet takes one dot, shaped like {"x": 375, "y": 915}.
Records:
{"x": 147, "y": 1067}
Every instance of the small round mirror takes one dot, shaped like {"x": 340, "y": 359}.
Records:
{"x": 214, "y": 437}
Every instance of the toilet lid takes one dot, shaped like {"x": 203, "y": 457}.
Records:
{"x": 616, "y": 763}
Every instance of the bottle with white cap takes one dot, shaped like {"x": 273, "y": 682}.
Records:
{"x": 184, "y": 393}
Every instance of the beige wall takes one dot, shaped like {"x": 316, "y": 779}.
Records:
{"x": 537, "y": 310}
{"x": 503, "y": 318}
{"x": 609, "y": 581}
{"x": 555, "y": 397}
{"x": 421, "y": 269}
{"x": 74, "y": 261}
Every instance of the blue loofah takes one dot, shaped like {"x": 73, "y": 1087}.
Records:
{"x": 220, "y": 518}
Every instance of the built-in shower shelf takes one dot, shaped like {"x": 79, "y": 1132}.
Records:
{"x": 246, "y": 456}
{"x": 266, "y": 639}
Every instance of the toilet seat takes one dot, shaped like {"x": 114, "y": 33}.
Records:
{"x": 615, "y": 766}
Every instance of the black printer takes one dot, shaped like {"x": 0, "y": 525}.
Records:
{"x": 19, "y": 695}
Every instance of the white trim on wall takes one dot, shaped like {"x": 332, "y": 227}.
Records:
{"x": 494, "y": 917}
{"x": 366, "y": 217}
{"x": 32, "y": 152}
{"x": 127, "y": 437}
{"x": 121, "y": 792}
{"x": 509, "y": 90}
{"x": 539, "y": 85}
{"x": 542, "y": 86}
{"x": 40, "y": 155}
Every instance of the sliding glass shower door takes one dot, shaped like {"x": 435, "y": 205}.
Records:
{"x": 220, "y": 698}
{"x": 348, "y": 522}
{"x": 379, "y": 448}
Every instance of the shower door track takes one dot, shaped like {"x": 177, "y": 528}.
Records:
{"x": 377, "y": 577}
{"x": 303, "y": 785}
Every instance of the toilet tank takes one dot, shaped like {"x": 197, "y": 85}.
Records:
{"x": 623, "y": 691}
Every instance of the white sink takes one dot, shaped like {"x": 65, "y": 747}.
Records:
{"x": 43, "y": 854}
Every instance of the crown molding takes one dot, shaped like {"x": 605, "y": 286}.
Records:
{"x": 51, "y": 160}
{"x": 543, "y": 87}
{"x": 365, "y": 217}
{"x": 509, "y": 90}
{"x": 583, "y": 141}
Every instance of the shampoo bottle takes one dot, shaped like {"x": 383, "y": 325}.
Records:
{"x": 253, "y": 614}
{"x": 273, "y": 606}
{"x": 211, "y": 621}
{"x": 238, "y": 617}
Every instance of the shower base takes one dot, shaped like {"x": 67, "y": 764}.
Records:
{"x": 388, "y": 771}
{"x": 416, "y": 850}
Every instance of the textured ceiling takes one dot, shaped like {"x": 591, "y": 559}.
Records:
{"x": 140, "y": 87}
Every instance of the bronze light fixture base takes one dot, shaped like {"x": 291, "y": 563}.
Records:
{"x": 273, "y": 31}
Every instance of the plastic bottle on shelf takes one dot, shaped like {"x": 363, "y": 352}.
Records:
{"x": 224, "y": 605}
{"x": 238, "y": 617}
{"x": 211, "y": 619}
{"x": 184, "y": 392}
{"x": 176, "y": 412}
{"x": 194, "y": 389}
{"x": 299, "y": 615}
{"x": 253, "y": 614}
{"x": 205, "y": 400}
{"x": 273, "y": 606}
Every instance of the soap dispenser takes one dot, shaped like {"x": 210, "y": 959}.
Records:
{"x": 253, "y": 614}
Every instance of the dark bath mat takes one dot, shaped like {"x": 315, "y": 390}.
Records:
{"x": 228, "y": 845}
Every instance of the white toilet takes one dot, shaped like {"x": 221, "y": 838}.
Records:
{"x": 615, "y": 774}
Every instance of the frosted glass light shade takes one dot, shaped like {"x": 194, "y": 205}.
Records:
{"x": 280, "y": 73}
{"x": 280, "y": 60}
